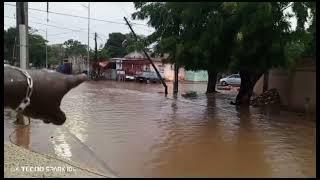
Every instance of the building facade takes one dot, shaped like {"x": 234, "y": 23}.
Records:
{"x": 136, "y": 62}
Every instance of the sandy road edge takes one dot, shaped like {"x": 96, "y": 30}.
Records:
{"x": 18, "y": 159}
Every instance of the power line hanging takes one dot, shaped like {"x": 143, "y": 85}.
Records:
{"x": 64, "y": 14}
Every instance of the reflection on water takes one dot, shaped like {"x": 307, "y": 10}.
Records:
{"x": 138, "y": 132}
{"x": 22, "y": 136}
{"x": 60, "y": 145}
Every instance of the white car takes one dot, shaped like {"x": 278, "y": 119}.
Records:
{"x": 129, "y": 78}
{"x": 233, "y": 79}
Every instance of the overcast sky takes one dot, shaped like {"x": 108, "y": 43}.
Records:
{"x": 76, "y": 28}
{"x": 109, "y": 11}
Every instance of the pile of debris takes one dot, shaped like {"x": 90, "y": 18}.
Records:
{"x": 190, "y": 94}
{"x": 268, "y": 97}
{"x": 224, "y": 87}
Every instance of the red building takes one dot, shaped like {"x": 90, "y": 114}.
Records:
{"x": 132, "y": 66}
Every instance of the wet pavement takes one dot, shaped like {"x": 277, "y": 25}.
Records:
{"x": 133, "y": 130}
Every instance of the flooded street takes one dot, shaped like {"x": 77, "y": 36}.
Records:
{"x": 135, "y": 131}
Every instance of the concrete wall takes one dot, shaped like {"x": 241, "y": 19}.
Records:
{"x": 293, "y": 87}
{"x": 110, "y": 74}
{"x": 280, "y": 80}
{"x": 169, "y": 72}
{"x": 196, "y": 76}
{"x": 303, "y": 86}
{"x": 78, "y": 64}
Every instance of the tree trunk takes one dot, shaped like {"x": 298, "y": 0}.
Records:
{"x": 99, "y": 72}
{"x": 176, "y": 79}
{"x": 248, "y": 80}
{"x": 212, "y": 80}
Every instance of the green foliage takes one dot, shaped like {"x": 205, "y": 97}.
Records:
{"x": 133, "y": 45}
{"x": 103, "y": 53}
{"x": 8, "y": 44}
{"x": 265, "y": 41}
{"x": 308, "y": 35}
{"x": 118, "y": 45}
{"x": 196, "y": 35}
{"x": 293, "y": 50}
{"x": 237, "y": 35}
{"x": 55, "y": 54}
{"x": 36, "y": 47}
{"x": 165, "y": 18}
{"x": 37, "y": 43}
{"x": 75, "y": 48}
{"x": 301, "y": 11}
{"x": 114, "y": 45}
{"x": 37, "y": 50}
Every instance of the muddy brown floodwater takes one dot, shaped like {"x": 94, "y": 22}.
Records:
{"x": 135, "y": 131}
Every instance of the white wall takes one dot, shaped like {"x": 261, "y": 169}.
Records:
{"x": 169, "y": 72}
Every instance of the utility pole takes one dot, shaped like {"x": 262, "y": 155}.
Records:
{"x": 14, "y": 51}
{"x": 61, "y": 55}
{"x": 95, "y": 47}
{"x": 88, "y": 40}
{"x": 47, "y": 35}
{"x": 22, "y": 27}
{"x": 17, "y": 41}
{"x": 146, "y": 54}
{"x": 27, "y": 34}
{"x": 96, "y": 53}
{"x": 88, "y": 60}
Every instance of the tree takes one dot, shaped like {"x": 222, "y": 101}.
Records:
{"x": 210, "y": 33}
{"x": 263, "y": 41}
{"x": 307, "y": 36}
{"x": 131, "y": 45}
{"x": 8, "y": 44}
{"x": 37, "y": 43}
{"x": 114, "y": 45}
{"x": 103, "y": 53}
{"x": 246, "y": 37}
{"x": 55, "y": 54}
{"x": 118, "y": 45}
{"x": 75, "y": 48}
{"x": 198, "y": 36}
{"x": 37, "y": 51}
{"x": 166, "y": 19}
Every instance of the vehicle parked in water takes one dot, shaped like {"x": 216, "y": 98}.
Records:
{"x": 130, "y": 78}
{"x": 146, "y": 76}
{"x": 233, "y": 79}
